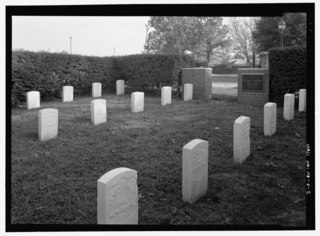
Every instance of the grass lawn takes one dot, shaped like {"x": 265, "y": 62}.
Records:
{"x": 55, "y": 182}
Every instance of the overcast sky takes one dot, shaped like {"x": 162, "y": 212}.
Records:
{"x": 92, "y": 36}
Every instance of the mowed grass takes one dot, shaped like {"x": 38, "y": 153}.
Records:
{"x": 55, "y": 182}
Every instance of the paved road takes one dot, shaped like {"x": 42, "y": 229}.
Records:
{"x": 226, "y": 88}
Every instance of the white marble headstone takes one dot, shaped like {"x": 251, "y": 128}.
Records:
{"x": 117, "y": 200}
{"x": 270, "y": 119}
{"x": 288, "y": 107}
{"x": 67, "y": 93}
{"x": 98, "y": 111}
{"x": 194, "y": 170}
{"x": 137, "y": 101}
{"x": 120, "y": 87}
{"x": 33, "y": 99}
{"x": 96, "y": 90}
{"x": 166, "y": 95}
{"x": 302, "y": 100}
{"x": 47, "y": 124}
{"x": 187, "y": 92}
{"x": 241, "y": 139}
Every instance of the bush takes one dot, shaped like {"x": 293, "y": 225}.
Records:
{"x": 148, "y": 73}
{"x": 226, "y": 69}
{"x": 287, "y": 71}
{"x": 48, "y": 72}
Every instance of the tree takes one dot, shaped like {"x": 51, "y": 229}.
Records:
{"x": 241, "y": 31}
{"x": 174, "y": 35}
{"x": 267, "y": 34}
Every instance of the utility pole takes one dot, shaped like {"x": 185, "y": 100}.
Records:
{"x": 70, "y": 44}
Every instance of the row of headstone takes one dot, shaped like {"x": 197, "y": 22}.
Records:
{"x": 48, "y": 119}
{"x": 288, "y": 107}
{"x": 33, "y": 97}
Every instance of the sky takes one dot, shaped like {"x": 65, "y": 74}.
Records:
{"x": 92, "y": 36}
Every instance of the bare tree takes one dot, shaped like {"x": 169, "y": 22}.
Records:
{"x": 241, "y": 32}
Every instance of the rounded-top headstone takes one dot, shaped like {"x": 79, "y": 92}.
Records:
{"x": 194, "y": 170}
{"x": 241, "y": 139}
{"x": 117, "y": 200}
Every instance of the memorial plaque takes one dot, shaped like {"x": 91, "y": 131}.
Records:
{"x": 252, "y": 82}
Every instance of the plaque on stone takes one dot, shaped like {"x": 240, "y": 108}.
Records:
{"x": 252, "y": 82}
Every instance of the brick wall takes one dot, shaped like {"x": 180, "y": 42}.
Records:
{"x": 258, "y": 98}
{"x": 201, "y": 80}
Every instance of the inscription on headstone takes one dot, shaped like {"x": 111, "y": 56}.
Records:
{"x": 270, "y": 119}
{"x": 33, "y": 99}
{"x": 194, "y": 170}
{"x": 166, "y": 95}
{"x": 47, "y": 124}
{"x": 252, "y": 82}
{"x": 98, "y": 111}
{"x": 288, "y": 108}
{"x": 302, "y": 100}
{"x": 117, "y": 200}
{"x": 67, "y": 93}
{"x": 241, "y": 139}
{"x": 137, "y": 102}
{"x": 120, "y": 87}
{"x": 96, "y": 90}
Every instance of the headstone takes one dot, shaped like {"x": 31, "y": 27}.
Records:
{"x": 117, "y": 200}
{"x": 302, "y": 100}
{"x": 166, "y": 95}
{"x": 96, "y": 90}
{"x": 194, "y": 170}
{"x": 137, "y": 102}
{"x": 67, "y": 94}
{"x": 120, "y": 87}
{"x": 270, "y": 119}
{"x": 187, "y": 92}
{"x": 241, "y": 139}
{"x": 33, "y": 99}
{"x": 253, "y": 86}
{"x": 98, "y": 111}
{"x": 288, "y": 107}
{"x": 47, "y": 124}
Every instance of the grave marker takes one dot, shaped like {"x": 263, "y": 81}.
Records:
{"x": 241, "y": 139}
{"x": 194, "y": 170}
{"x": 137, "y": 102}
{"x": 33, "y": 99}
{"x": 67, "y": 93}
{"x": 270, "y": 119}
{"x": 117, "y": 200}
{"x": 302, "y": 100}
{"x": 288, "y": 107}
{"x": 98, "y": 111}
{"x": 96, "y": 90}
{"x": 187, "y": 92}
{"x": 120, "y": 87}
{"x": 47, "y": 124}
{"x": 166, "y": 95}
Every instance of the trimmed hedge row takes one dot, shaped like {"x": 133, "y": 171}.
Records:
{"x": 287, "y": 71}
{"x": 48, "y": 72}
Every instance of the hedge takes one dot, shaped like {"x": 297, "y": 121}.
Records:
{"x": 148, "y": 73}
{"x": 48, "y": 72}
{"x": 287, "y": 71}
